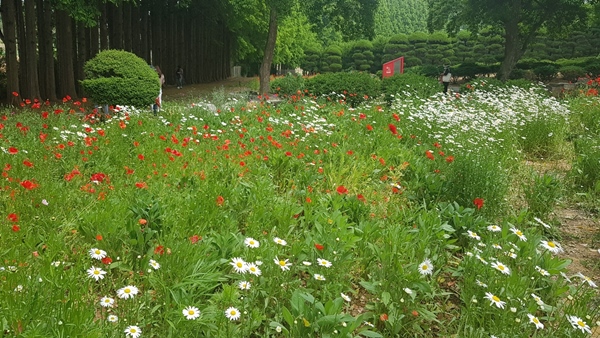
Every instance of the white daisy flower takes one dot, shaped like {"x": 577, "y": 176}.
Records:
{"x": 252, "y": 269}
{"x": 96, "y": 273}
{"x": 318, "y": 277}
{"x": 112, "y": 318}
{"x": 553, "y": 247}
{"x": 534, "y": 320}
{"x": 345, "y": 297}
{"x": 587, "y": 280}
{"x": 323, "y": 262}
{"x": 496, "y": 246}
{"x": 128, "y": 291}
{"x": 578, "y": 323}
{"x": 107, "y": 301}
{"x": 494, "y": 300}
{"x": 232, "y": 313}
{"x": 542, "y": 271}
{"x": 542, "y": 223}
{"x": 239, "y": 265}
{"x": 426, "y": 268}
{"x": 191, "y": 313}
{"x": 97, "y": 253}
{"x": 480, "y": 283}
{"x": 279, "y": 241}
{"x": 519, "y": 234}
{"x": 133, "y": 331}
{"x": 473, "y": 235}
{"x": 251, "y": 242}
{"x": 307, "y": 263}
{"x": 537, "y": 299}
{"x": 494, "y": 228}
{"x": 283, "y": 264}
{"x": 501, "y": 267}
{"x": 244, "y": 285}
{"x": 154, "y": 264}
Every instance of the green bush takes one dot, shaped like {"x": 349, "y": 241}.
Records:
{"x": 546, "y": 72}
{"x": 356, "y": 86}
{"x": 585, "y": 171}
{"x": 288, "y": 85}
{"x": 398, "y": 86}
{"x": 467, "y": 70}
{"x": 572, "y": 73}
{"x": 541, "y": 194}
{"x": 119, "y": 77}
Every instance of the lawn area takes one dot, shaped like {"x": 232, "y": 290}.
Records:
{"x": 471, "y": 215}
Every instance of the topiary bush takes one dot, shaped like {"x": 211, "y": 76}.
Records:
{"x": 357, "y": 87}
{"x": 409, "y": 84}
{"x": 546, "y": 72}
{"x": 572, "y": 73}
{"x": 119, "y": 77}
{"x": 287, "y": 85}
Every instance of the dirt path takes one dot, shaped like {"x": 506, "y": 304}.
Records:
{"x": 203, "y": 90}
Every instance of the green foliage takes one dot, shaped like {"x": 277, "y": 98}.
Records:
{"x": 362, "y": 55}
{"x": 542, "y": 193}
{"x": 408, "y": 84}
{"x": 396, "y": 17}
{"x": 119, "y": 77}
{"x": 287, "y": 85}
{"x": 332, "y": 59}
{"x": 585, "y": 173}
{"x": 312, "y": 59}
{"x": 572, "y": 73}
{"x": 356, "y": 87}
{"x": 546, "y": 72}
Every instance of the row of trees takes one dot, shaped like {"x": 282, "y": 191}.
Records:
{"x": 48, "y": 42}
{"x": 438, "y": 48}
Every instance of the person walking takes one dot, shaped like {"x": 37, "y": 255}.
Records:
{"x": 161, "y": 79}
{"x": 179, "y": 77}
{"x": 445, "y": 78}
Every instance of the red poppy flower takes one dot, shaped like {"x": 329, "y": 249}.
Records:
{"x": 429, "y": 155}
{"x": 141, "y": 157}
{"x": 478, "y": 202}
{"x": 319, "y": 247}
{"x": 450, "y": 159}
{"x": 220, "y": 200}
{"x": 360, "y": 197}
{"x": 27, "y": 184}
{"x": 98, "y": 177}
{"x": 107, "y": 260}
{"x": 98, "y": 237}
{"x": 15, "y": 94}
{"x": 369, "y": 127}
{"x": 342, "y": 190}
{"x": 27, "y": 163}
{"x": 393, "y": 129}
{"x": 13, "y": 150}
{"x": 141, "y": 185}
{"x": 13, "y": 217}
{"x": 142, "y": 221}
{"x": 15, "y": 228}
{"x": 194, "y": 239}
{"x": 383, "y": 317}
{"x": 160, "y": 250}
{"x": 396, "y": 117}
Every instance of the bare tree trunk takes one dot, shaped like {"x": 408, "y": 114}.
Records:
{"x": 157, "y": 44}
{"x": 22, "y": 48}
{"x": 64, "y": 49}
{"x": 9, "y": 25}
{"x": 145, "y": 35}
{"x": 265, "y": 68}
{"x": 127, "y": 38}
{"x": 46, "y": 50}
{"x": 33, "y": 83}
{"x": 136, "y": 43}
{"x": 81, "y": 56}
{"x": 104, "y": 27}
{"x": 94, "y": 42}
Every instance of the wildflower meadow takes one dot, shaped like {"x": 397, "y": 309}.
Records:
{"x": 417, "y": 217}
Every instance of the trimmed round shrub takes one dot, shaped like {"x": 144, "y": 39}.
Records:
{"x": 120, "y": 77}
{"x": 356, "y": 86}
{"x": 572, "y": 73}
{"x": 409, "y": 84}
{"x": 546, "y": 72}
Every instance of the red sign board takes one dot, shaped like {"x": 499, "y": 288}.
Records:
{"x": 393, "y": 67}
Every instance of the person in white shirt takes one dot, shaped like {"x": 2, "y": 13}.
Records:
{"x": 446, "y": 76}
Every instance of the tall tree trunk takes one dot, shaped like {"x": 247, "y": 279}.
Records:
{"x": 127, "y": 38}
{"x": 265, "y": 68}
{"x": 22, "y": 48}
{"x": 46, "y": 50}
{"x": 136, "y": 43}
{"x": 9, "y": 25}
{"x": 104, "y": 26}
{"x": 81, "y": 56}
{"x": 115, "y": 26}
{"x": 94, "y": 42}
{"x": 145, "y": 35}
{"x": 157, "y": 44}
{"x": 33, "y": 83}
{"x": 64, "y": 50}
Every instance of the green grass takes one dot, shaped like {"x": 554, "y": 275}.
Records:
{"x": 187, "y": 189}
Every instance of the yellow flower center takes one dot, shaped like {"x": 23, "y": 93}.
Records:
{"x": 127, "y": 290}
{"x": 580, "y": 323}
{"x": 191, "y": 312}
{"x": 500, "y": 267}
{"x": 97, "y": 252}
{"x": 495, "y": 299}
{"x": 232, "y": 312}
{"x": 251, "y": 242}
{"x": 551, "y": 244}
{"x": 96, "y": 272}
{"x": 239, "y": 264}
{"x": 519, "y": 233}
{"x": 282, "y": 263}
{"x": 424, "y": 267}
{"x": 535, "y": 320}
